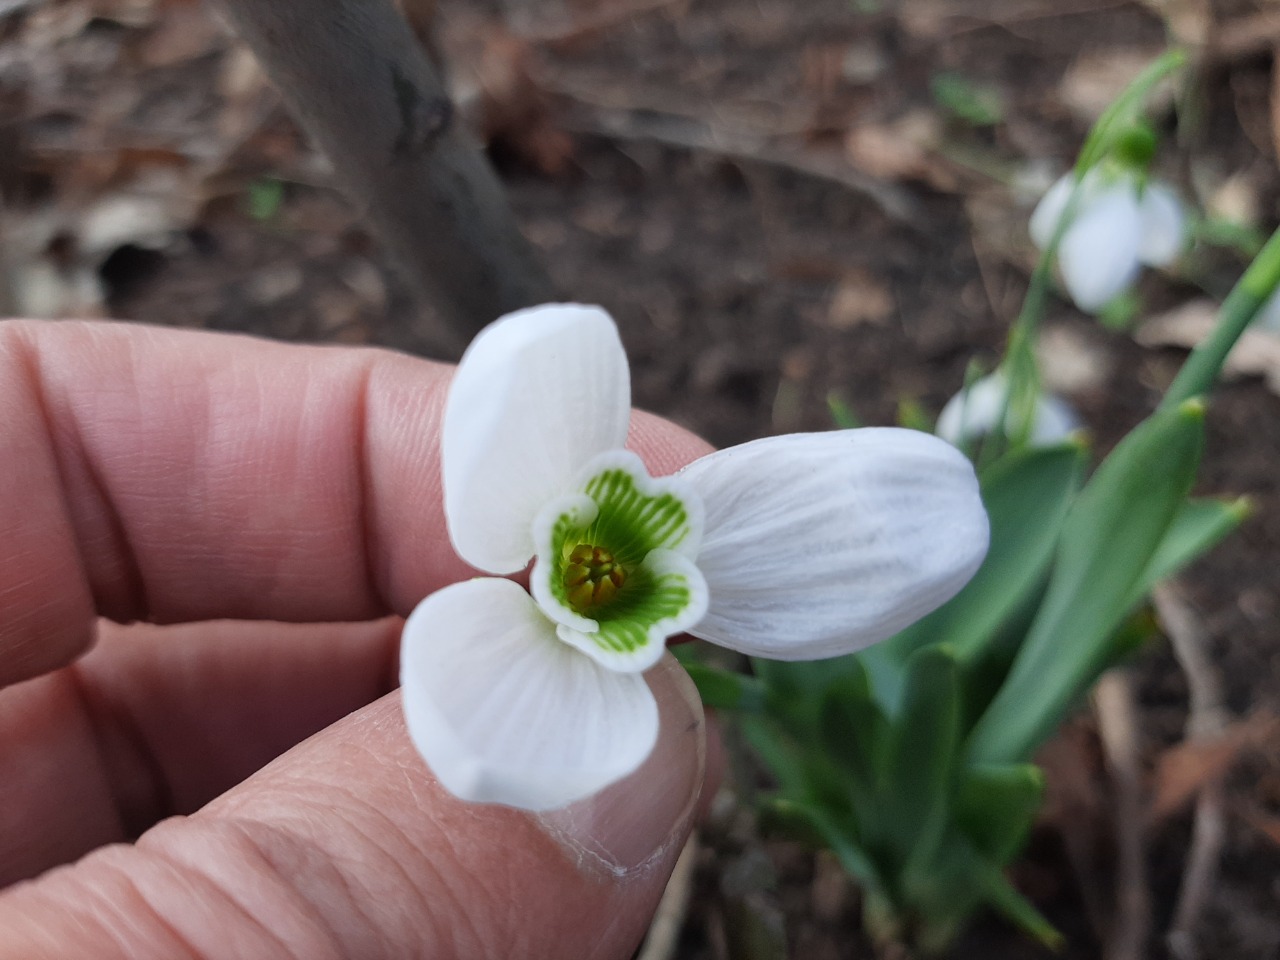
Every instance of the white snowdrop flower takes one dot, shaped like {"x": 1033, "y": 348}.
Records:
{"x": 793, "y": 547}
{"x": 1119, "y": 226}
{"x": 974, "y": 412}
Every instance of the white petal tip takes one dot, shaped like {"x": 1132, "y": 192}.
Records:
{"x": 504, "y": 712}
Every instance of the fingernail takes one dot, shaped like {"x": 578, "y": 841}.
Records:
{"x": 637, "y": 821}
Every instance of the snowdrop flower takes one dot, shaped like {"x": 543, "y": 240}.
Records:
{"x": 1119, "y": 226}
{"x": 974, "y": 412}
{"x": 794, "y": 547}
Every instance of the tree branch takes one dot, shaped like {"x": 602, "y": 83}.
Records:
{"x": 357, "y": 79}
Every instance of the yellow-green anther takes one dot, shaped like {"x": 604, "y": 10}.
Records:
{"x": 592, "y": 577}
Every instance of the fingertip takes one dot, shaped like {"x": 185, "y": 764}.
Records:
{"x": 664, "y": 446}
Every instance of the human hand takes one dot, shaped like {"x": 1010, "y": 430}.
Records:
{"x": 183, "y": 478}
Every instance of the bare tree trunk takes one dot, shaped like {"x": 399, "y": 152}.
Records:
{"x": 357, "y": 79}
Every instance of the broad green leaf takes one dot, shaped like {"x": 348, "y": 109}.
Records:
{"x": 1017, "y": 909}
{"x": 923, "y": 752}
{"x": 842, "y": 414}
{"x": 997, "y": 805}
{"x": 1027, "y": 494}
{"x": 856, "y": 861}
{"x": 1111, "y": 534}
{"x": 796, "y": 688}
{"x": 855, "y": 733}
{"x": 724, "y": 690}
{"x": 780, "y": 753}
{"x": 1198, "y": 527}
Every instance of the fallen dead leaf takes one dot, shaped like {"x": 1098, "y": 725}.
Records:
{"x": 1077, "y": 806}
{"x": 1188, "y": 21}
{"x": 1257, "y": 353}
{"x": 901, "y": 150}
{"x": 1186, "y": 768}
{"x": 497, "y": 86}
{"x": 1071, "y": 363}
{"x": 859, "y": 298}
{"x": 183, "y": 33}
{"x": 1265, "y": 824}
{"x": 1235, "y": 200}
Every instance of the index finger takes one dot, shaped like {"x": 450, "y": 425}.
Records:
{"x": 168, "y": 475}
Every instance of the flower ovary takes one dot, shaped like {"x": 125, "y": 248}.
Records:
{"x": 592, "y": 577}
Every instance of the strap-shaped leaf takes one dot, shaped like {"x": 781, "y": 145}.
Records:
{"x": 1198, "y": 527}
{"x": 1014, "y": 907}
{"x": 997, "y": 805}
{"x": 855, "y": 732}
{"x": 1111, "y": 534}
{"x": 725, "y": 690}
{"x": 923, "y": 756}
{"x": 796, "y": 688}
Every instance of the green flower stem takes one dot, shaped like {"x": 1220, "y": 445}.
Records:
{"x": 1124, "y": 111}
{"x": 1106, "y": 135}
{"x": 1238, "y": 310}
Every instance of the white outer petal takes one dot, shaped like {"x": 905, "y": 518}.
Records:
{"x": 536, "y": 396}
{"x": 821, "y": 544}
{"x": 973, "y": 413}
{"x": 1055, "y": 420}
{"x": 504, "y": 712}
{"x": 1164, "y": 225}
{"x": 1098, "y": 256}
{"x": 1045, "y": 217}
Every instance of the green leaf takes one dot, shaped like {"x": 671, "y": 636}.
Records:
{"x": 265, "y": 198}
{"x": 1111, "y": 534}
{"x": 1027, "y": 494}
{"x": 796, "y": 688}
{"x": 923, "y": 752}
{"x": 997, "y": 805}
{"x": 781, "y": 754}
{"x": 912, "y": 416}
{"x": 723, "y": 690}
{"x": 1198, "y": 526}
{"x": 1017, "y": 909}
{"x": 855, "y": 733}
{"x": 855, "y": 860}
{"x": 974, "y": 103}
{"x": 842, "y": 414}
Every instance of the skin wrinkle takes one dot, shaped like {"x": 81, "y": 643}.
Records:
{"x": 361, "y": 809}
{"x": 240, "y": 836}
{"x": 157, "y": 917}
{"x": 444, "y": 848}
{"x": 291, "y": 841}
{"x": 102, "y": 913}
{"x": 104, "y": 719}
{"x": 25, "y": 355}
{"x": 133, "y": 604}
{"x": 364, "y": 509}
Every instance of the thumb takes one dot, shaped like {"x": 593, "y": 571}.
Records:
{"x": 346, "y": 847}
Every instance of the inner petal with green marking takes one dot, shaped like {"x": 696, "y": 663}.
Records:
{"x": 615, "y": 563}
